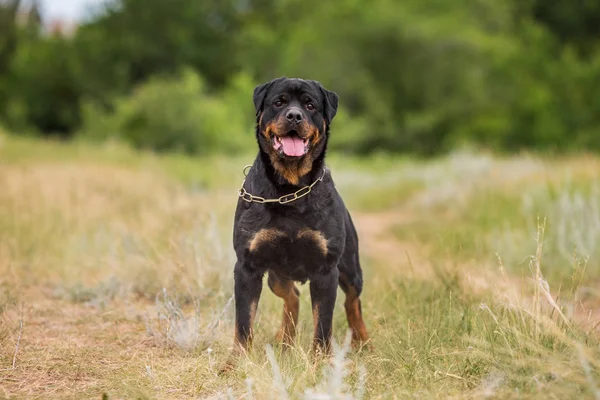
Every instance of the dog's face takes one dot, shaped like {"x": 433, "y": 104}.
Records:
{"x": 293, "y": 118}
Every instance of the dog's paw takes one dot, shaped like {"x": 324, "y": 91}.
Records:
{"x": 284, "y": 340}
{"x": 228, "y": 366}
{"x": 360, "y": 346}
{"x": 232, "y": 362}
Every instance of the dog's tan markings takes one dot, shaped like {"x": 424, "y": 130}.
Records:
{"x": 268, "y": 131}
{"x": 315, "y": 236}
{"x": 355, "y": 320}
{"x": 264, "y": 236}
{"x": 315, "y": 135}
{"x": 291, "y": 307}
{"x": 240, "y": 344}
{"x": 292, "y": 170}
{"x": 252, "y": 313}
{"x": 354, "y": 314}
{"x": 275, "y": 127}
{"x": 315, "y": 312}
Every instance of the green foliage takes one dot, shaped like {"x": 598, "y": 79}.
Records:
{"x": 136, "y": 39}
{"x": 574, "y": 23}
{"x": 413, "y": 76}
{"x": 177, "y": 114}
{"x": 17, "y": 24}
{"x": 45, "y": 95}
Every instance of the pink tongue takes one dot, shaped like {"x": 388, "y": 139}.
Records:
{"x": 293, "y": 146}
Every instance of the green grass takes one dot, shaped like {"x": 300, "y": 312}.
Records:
{"x": 197, "y": 172}
{"x": 119, "y": 265}
{"x": 500, "y": 221}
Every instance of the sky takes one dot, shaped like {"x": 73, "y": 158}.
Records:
{"x": 67, "y": 9}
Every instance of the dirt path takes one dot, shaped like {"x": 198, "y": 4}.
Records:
{"x": 404, "y": 257}
{"x": 379, "y": 244}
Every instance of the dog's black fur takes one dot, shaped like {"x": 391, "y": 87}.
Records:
{"x": 312, "y": 238}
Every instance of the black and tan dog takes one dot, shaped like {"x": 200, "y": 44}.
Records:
{"x": 290, "y": 221}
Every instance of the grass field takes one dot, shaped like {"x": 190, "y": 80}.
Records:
{"x": 481, "y": 279}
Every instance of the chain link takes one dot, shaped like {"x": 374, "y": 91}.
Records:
{"x": 285, "y": 199}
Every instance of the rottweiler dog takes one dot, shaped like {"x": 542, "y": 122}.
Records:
{"x": 290, "y": 221}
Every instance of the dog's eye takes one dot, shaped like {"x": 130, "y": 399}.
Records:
{"x": 278, "y": 103}
{"x": 310, "y": 106}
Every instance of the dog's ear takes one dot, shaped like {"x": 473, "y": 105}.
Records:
{"x": 260, "y": 92}
{"x": 331, "y": 100}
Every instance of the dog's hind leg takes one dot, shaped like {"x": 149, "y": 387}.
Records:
{"x": 287, "y": 290}
{"x": 352, "y": 289}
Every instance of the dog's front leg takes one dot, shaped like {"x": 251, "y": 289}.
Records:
{"x": 323, "y": 291}
{"x": 248, "y": 285}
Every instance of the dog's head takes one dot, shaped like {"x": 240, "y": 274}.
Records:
{"x": 293, "y": 117}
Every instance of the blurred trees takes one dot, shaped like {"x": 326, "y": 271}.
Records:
{"x": 136, "y": 39}
{"x": 413, "y": 76}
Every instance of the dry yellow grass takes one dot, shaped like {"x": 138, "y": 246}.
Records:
{"x": 116, "y": 279}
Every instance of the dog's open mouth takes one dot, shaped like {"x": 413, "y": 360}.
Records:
{"x": 291, "y": 144}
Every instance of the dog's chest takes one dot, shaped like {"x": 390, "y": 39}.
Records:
{"x": 293, "y": 254}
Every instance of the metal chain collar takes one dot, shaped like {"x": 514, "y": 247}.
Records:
{"x": 285, "y": 199}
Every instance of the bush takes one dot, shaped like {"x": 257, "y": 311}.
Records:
{"x": 348, "y": 134}
{"x": 44, "y": 88}
{"x": 177, "y": 113}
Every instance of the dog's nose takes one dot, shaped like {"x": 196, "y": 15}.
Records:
{"x": 294, "y": 115}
